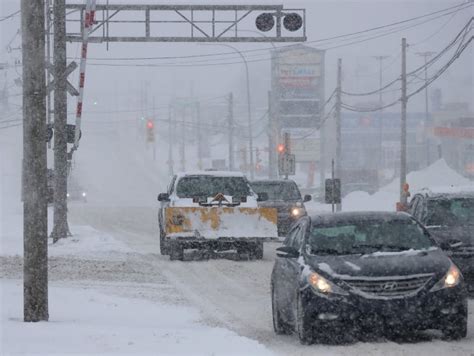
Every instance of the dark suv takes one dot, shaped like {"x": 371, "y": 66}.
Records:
{"x": 448, "y": 214}
{"x": 285, "y": 197}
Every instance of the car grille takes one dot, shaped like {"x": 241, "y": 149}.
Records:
{"x": 463, "y": 251}
{"x": 390, "y": 287}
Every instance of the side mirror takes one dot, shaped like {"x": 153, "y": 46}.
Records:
{"x": 307, "y": 198}
{"x": 262, "y": 196}
{"x": 163, "y": 197}
{"x": 287, "y": 252}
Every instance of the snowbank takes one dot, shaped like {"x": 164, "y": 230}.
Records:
{"x": 439, "y": 174}
{"x": 102, "y": 324}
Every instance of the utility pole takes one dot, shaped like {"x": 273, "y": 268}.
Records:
{"x": 231, "y": 132}
{"x": 403, "y": 139}
{"x": 35, "y": 210}
{"x": 182, "y": 111}
{"x": 48, "y": 58}
{"x": 426, "y": 55}
{"x": 338, "y": 123}
{"x": 170, "y": 141}
{"x": 60, "y": 228}
{"x": 199, "y": 133}
{"x": 380, "y": 59}
{"x": 272, "y": 139}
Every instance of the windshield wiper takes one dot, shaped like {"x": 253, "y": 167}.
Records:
{"x": 380, "y": 247}
{"x": 328, "y": 251}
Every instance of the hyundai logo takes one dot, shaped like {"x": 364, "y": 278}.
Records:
{"x": 390, "y": 286}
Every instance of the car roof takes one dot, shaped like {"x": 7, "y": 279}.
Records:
{"x": 272, "y": 181}
{"x": 448, "y": 192}
{"x": 211, "y": 173}
{"x": 341, "y": 217}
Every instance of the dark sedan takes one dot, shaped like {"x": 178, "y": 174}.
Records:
{"x": 364, "y": 273}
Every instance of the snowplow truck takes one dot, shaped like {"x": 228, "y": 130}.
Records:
{"x": 211, "y": 213}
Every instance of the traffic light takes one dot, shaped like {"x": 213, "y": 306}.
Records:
{"x": 150, "y": 131}
{"x": 281, "y": 148}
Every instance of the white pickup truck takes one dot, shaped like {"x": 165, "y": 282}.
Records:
{"x": 213, "y": 211}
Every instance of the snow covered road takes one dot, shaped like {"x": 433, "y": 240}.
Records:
{"x": 234, "y": 295}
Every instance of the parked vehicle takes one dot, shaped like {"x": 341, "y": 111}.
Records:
{"x": 213, "y": 211}
{"x": 285, "y": 197}
{"x": 448, "y": 214}
{"x": 364, "y": 272}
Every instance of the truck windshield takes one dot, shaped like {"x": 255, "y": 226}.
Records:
{"x": 450, "y": 212}
{"x": 277, "y": 190}
{"x": 210, "y": 186}
{"x": 367, "y": 236}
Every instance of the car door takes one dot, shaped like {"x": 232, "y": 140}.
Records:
{"x": 295, "y": 266}
{"x": 165, "y": 204}
{"x": 283, "y": 276}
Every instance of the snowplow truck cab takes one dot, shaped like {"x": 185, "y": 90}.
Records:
{"x": 213, "y": 212}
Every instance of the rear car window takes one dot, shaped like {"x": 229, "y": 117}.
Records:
{"x": 210, "y": 186}
{"x": 278, "y": 190}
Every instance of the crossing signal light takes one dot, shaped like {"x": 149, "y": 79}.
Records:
{"x": 281, "y": 148}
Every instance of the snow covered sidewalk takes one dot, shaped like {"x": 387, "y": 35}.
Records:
{"x": 83, "y": 321}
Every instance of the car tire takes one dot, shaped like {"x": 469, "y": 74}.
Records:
{"x": 303, "y": 327}
{"x": 280, "y": 327}
{"x": 258, "y": 252}
{"x": 456, "y": 329}
{"x": 176, "y": 252}
{"x": 163, "y": 248}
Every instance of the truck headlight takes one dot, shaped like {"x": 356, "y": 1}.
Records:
{"x": 451, "y": 279}
{"x": 295, "y": 212}
{"x": 322, "y": 285}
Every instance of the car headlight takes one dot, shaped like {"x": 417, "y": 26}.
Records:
{"x": 451, "y": 279}
{"x": 295, "y": 212}
{"x": 84, "y": 194}
{"x": 67, "y": 195}
{"x": 322, "y": 285}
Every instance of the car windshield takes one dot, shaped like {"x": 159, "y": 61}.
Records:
{"x": 210, "y": 186}
{"x": 367, "y": 236}
{"x": 278, "y": 190}
{"x": 449, "y": 212}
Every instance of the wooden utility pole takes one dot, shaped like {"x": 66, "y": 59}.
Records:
{"x": 403, "y": 138}
{"x": 170, "y": 140}
{"x": 338, "y": 123}
{"x": 35, "y": 211}
{"x": 60, "y": 225}
{"x": 380, "y": 127}
{"x": 199, "y": 133}
{"x": 231, "y": 132}
{"x": 272, "y": 138}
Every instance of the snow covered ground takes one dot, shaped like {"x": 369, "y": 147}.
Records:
{"x": 112, "y": 293}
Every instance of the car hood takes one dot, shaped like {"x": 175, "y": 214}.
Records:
{"x": 465, "y": 234}
{"x": 280, "y": 205}
{"x": 381, "y": 264}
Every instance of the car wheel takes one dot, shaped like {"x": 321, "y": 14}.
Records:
{"x": 455, "y": 330}
{"x": 279, "y": 326}
{"x": 176, "y": 252}
{"x": 303, "y": 327}
{"x": 163, "y": 248}
{"x": 258, "y": 252}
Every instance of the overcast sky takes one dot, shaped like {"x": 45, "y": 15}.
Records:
{"x": 119, "y": 88}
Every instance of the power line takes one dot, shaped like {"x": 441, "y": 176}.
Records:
{"x": 10, "y": 16}
{"x": 459, "y": 7}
